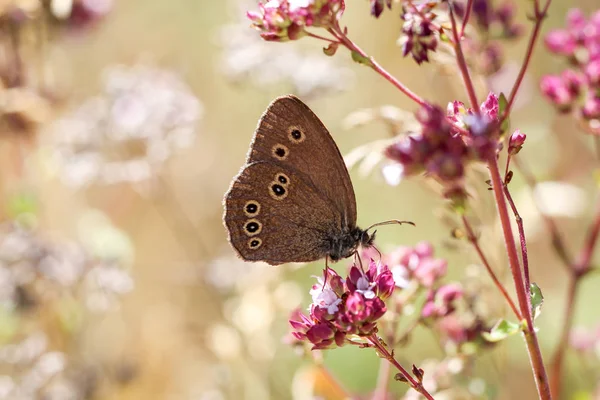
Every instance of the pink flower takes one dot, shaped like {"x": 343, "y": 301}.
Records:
{"x": 591, "y": 107}
{"x": 592, "y": 73}
{"x": 360, "y": 314}
{"x": 343, "y": 307}
{"x": 490, "y": 106}
{"x": 282, "y": 20}
{"x": 560, "y": 41}
{"x": 555, "y": 89}
{"x": 516, "y": 141}
{"x": 322, "y": 335}
{"x": 419, "y": 35}
{"x": 441, "y": 302}
{"x": 416, "y": 264}
{"x": 378, "y": 281}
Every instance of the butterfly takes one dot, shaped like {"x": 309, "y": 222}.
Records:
{"x": 293, "y": 200}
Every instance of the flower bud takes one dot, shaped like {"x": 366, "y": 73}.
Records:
{"x": 515, "y": 142}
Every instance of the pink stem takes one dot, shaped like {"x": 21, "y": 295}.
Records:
{"x": 339, "y": 34}
{"x": 578, "y": 270}
{"x": 314, "y": 35}
{"x": 533, "y": 347}
{"x": 522, "y": 240}
{"x": 462, "y": 64}
{"x": 469, "y": 7}
{"x": 583, "y": 263}
{"x": 539, "y": 17}
{"x": 374, "y": 340}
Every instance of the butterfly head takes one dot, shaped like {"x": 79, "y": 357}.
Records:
{"x": 344, "y": 245}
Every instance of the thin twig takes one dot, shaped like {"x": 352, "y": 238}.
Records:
{"x": 473, "y": 239}
{"x": 522, "y": 240}
{"x": 539, "y": 17}
{"x": 374, "y": 340}
{"x": 465, "y": 21}
{"x": 462, "y": 63}
{"x": 339, "y": 34}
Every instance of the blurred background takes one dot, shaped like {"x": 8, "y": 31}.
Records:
{"x": 123, "y": 125}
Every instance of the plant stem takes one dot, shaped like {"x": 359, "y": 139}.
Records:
{"x": 522, "y": 240}
{"x": 465, "y": 21}
{"x": 462, "y": 64}
{"x": 339, "y": 34}
{"x": 473, "y": 239}
{"x": 533, "y": 348}
{"x": 374, "y": 340}
{"x": 539, "y": 17}
{"x": 578, "y": 270}
{"x": 583, "y": 263}
{"x": 314, "y": 35}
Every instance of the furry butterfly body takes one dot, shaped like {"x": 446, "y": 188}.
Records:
{"x": 293, "y": 200}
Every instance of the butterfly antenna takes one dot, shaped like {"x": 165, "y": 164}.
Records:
{"x": 390, "y": 222}
{"x": 378, "y": 252}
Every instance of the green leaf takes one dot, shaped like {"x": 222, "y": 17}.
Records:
{"x": 502, "y": 104}
{"x": 359, "y": 58}
{"x": 22, "y": 203}
{"x": 537, "y": 299}
{"x": 501, "y": 331}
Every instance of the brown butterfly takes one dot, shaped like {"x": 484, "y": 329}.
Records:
{"x": 293, "y": 200}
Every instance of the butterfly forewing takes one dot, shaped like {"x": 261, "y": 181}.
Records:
{"x": 274, "y": 214}
{"x": 290, "y": 135}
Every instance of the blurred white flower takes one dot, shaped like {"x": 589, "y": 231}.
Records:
{"x": 127, "y": 132}
{"x": 247, "y": 56}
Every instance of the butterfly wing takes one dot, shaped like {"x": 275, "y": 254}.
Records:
{"x": 274, "y": 215}
{"x": 290, "y": 135}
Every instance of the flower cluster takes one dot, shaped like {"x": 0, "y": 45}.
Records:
{"x": 417, "y": 271}
{"x": 440, "y": 302}
{"x": 34, "y": 270}
{"x": 247, "y": 58}
{"x": 415, "y": 266}
{"x": 41, "y": 372}
{"x": 128, "y": 132}
{"x": 448, "y": 141}
{"x": 578, "y": 87}
{"x": 419, "y": 33}
{"x": 342, "y": 308}
{"x": 283, "y": 20}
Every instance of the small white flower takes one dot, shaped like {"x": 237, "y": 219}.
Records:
{"x": 324, "y": 297}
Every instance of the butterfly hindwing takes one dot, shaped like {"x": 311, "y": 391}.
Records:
{"x": 274, "y": 215}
